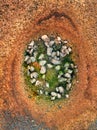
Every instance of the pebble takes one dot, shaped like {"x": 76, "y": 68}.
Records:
{"x": 35, "y": 54}
{"x": 61, "y": 89}
{"x": 53, "y": 54}
{"x": 46, "y": 93}
{"x": 43, "y": 76}
{"x": 59, "y": 96}
{"x": 68, "y": 86}
{"x": 41, "y": 56}
{"x": 31, "y": 51}
{"x": 69, "y": 49}
{"x": 65, "y": 41}
{"x": 32, "y": 59}
{"x": 41, "y": 92}
{"x": 57, "y": 89}
{"x": 67, "y": 75}
{"x": 51, "y": 43}
{"x": 29, "y": 61}
{"x": 49, "y": 65}
{"x": 47, "y": 85}
{"x": 42, "y": 62}
{"x": 38, "y": 83}
{"x": 54, "y": 94}
{"x": 49, "y": 51}
{"x": 26, "y": 58}
{"x": 33, "y": 81}
{"x": 53, "y": 98}
{"x": 31, "y": 68}
{"x": 67, "y": 96}
{"x": 43, "y": 70}
{"x": 32, "y": 43}
{"x": 34, "y": 75}
{"x": 45, "y": 38}
{"x": 70, "y": 71}
{"x": 55, "y": 62}
{"x": 57, "y": 67}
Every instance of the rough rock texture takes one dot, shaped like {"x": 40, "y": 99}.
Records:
{"x": 20, "y": 22}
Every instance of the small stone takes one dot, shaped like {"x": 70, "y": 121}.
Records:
{"x": 26, "y": 58}
{"x": 38, "y": 83}
{"x": 47, "y": 85}
{"x": 41, "y": 56}
{"x": 67, "y": 75}
{"x": 46, "y": 93}
{"x": 59, "y": 38}
{"x": 70, "y": 71}
{"x": 69, "y": 49}
{"x": 33, "y": 81}
{"x": 43, "y": 76}
{"x": 57, "y": 89}
{"x": 61, "y": 79}
{"x": 43, "y": 70}
{"x": 41, "y": 92}
{"x": 29, "y": 61}
{"x": 34, "y": 75}
{"x": 46, "y": 44}
{"x": 67, "y": 96}
{"x": 65, "y": 41}
{"x": 58, "y": 53}
{"x": 35, "y": 54}
{"x": 59, "y": 96}
{"x": 31, "y": 69}
{"x": 61, "y": 89}
{"x": 53, "y": 98}
{"x": 32, "y": 59}
{"x": 32, "y": 43}
{"x": 54, "y": 94}
{"x": 55, "y": 62}
{"x": 66, "y": 51}
{"x": 42, "y": 62}
{"x": 31, "y": 51}
{"x": 66, "y": 64}
{"x": 49, "y": 51}
{"x": 49, "y": 65}
{"x": 57, "y": 67}
{"x": 45, "y": 38}
{"x": 53, "y": 54}
{"x": 68, "y": 87}
{"x": 51, "y": 43}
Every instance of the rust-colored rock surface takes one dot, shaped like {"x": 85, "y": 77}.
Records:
{"x": 21, "y": 21}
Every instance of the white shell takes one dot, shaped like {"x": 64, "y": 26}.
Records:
{"x": 34, "y": 75}
{"x": 55, "y": 62}
{"x": 45, "y": 38}
{"x": 51, "y": 43}
{"x": 67, "y": 75}
{"x": 49, "y": 65}
{"x": 67, "y": 96}
{"x": 42, "y": 62}
{"x": 47, "y": 85}
{"x": 61, "y": 89}
{"x": 53, "y": 94}
{"x": 32, "y": 43}
{"x": 52, "y": 98}
{"x": 49, "y": 51}
{"x": 26, "y": 58}
{"x": 41, "y": 56}
{"x": 43, "y": 70}
{"x": 57, "y": 67}
{"x": 33, "y": 81}
{"x": 38, "y": 83}
{"x": 59, "y": 96}
{"x": 32, "y": 59}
